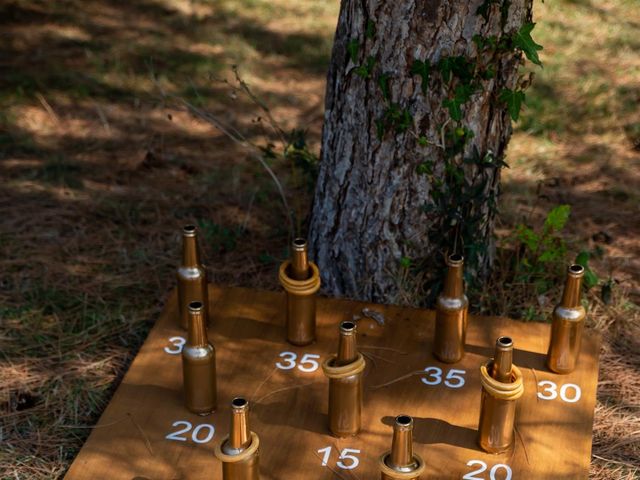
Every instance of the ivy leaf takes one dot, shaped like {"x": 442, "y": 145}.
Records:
{"x": 522, "y": 39}
{"x": 590, "y": 278}
{"x": 365, "y": 71}
{"x": 514, "y": 100}
{"x": 424, "y": 70}
{"x": 371, "y": 29}
{"x": 383, "y": 82}
{"x": 557, "y": 218}
{"x": 352, "y": 47}
{"x": 453, "y": 105}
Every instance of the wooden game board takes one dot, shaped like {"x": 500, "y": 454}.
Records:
{"x": 146, "y": 433}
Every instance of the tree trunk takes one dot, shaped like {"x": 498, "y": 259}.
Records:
{"x": 404, "y": 177}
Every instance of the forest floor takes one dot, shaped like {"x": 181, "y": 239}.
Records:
{"x": 101, "y": 166}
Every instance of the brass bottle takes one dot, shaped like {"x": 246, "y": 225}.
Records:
{"x": 192, "y": 277}
{"x": 239, "y": 451}
{"x": 451, "y": 314}
{"x": 401, "y": 462}
{"x": 502, "y": 385}
{"x": 301, "y": 280}
{"x": 199, "y": 365}
{"x": 344, "y": 371}
{"x": 567, "y": 325}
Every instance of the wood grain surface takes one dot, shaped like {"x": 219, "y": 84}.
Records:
{"x": 289, "y": 407}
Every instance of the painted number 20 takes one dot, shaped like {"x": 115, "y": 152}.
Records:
{"x": 550, "y": 391}
{"x": 307, "y": 363}
{"x": 203, "y": 433}
{"x": 346, "y": 461}
{"x": 483, "y": 467}
{"x": 453, "y": 379}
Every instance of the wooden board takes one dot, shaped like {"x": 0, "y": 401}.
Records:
{"x": 289, "y": 410}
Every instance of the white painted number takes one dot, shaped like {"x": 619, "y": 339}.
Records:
{"x": 290, "y": 361}
{"x": 178, "y": 343}
{"x": 453, "y": 379}
{"x": 208, "y": 429}
{"x": 551, "y": 391}
{"x": 347, "y": 460}
{"x": 307, "y": 364}
{"x": 492, "y": 473}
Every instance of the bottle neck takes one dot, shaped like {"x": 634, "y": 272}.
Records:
{"x": 453, "y": 287}
{"x": 571, "y": 294}
{"x": 190, "y": 251}
{"x": 197, "y": 334}
{"x": 347, "y": 348}
{"x": 401, "y": 447}
{"x": 239, "y": 436}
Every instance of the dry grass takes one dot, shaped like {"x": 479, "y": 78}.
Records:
{"x": 98, "y": 174}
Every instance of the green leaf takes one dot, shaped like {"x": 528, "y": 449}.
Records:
{"x": 371, "y": 29}
{"x": 383, "y": 82}
{"x": 557, "y": 218}
{"x": 352, "y": 47}
{"x": 365, "y": 71}
{"x": 514, "y": 100}
{"x": 425, "y": 168}
{"x": 522, "y": 39}
{"x": 454, "y": 108}
{"x": 528, "y": 237}
{"x": 405, "y": 262}
{"x": 590, "y": 278}
{"x": 424, "y": 70}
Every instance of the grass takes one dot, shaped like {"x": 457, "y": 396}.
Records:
{"x": 101, "y": 171}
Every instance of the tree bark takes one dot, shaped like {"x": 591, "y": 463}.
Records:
{"x": 389, "y": 155}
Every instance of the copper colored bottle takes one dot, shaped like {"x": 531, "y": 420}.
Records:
{"x": 345, "y": 384}
{"x": 199, "y": 365}
{"x": 451, "y": 314}
{"x": 502, "y": 385}
{"x": 301, "y": 280}
{"x": 239, "y": 452}
{"x": 567, "y": 325}
{"x": 401, "y": 462}
{"x": 192, "y": 277}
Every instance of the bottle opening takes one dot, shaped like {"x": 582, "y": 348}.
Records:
{"x": 189, "y": 229}
{"x": 456, "y": 257}
{"x": 299, "y": 243}
{"x": 404, "y": 420}
{"x": 575, "y": 268}
{"x": 505, "y": 341}
{"x": 239, "y": 402}
{"x": 347, "y": 326}
{"x": 195, "y": 306}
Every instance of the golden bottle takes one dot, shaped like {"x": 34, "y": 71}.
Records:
{"x": 451, "y": 314}
{"x": 567, "y": 325}
{"x": 401, "y": 462}
{"x": 301, "y": 280}
{"x": 502, "y": 385}
{"x": 199, "y": 365}
{"x": 239, "y": 451}
{"x": 344, "y": 371}
{"x": 192, "y": 277}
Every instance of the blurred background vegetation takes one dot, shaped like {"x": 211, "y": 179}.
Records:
{"x": 101, "y": 165}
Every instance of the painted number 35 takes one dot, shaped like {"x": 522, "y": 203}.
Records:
{"x": 453, "y": 379}
{"x": 308, "y": 362}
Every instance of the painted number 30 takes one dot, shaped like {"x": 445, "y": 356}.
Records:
{"x": 307, "y": 363}
{"x": 453, "y": 379}
{"x": 550, "y": 391}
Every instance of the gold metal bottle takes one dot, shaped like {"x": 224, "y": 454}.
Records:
{"x": 502, "y": 385}
{"x": 344, "y": 371}
{"x": 199, "y": 365}
{"x": 301, "y": 280}
{"x": 192, "y": 277}
{"x": 239, "y": 451}
{"x": 451, "y": 314}
{"x": 567, "y": 326}
{"x": 401, "y": 462}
